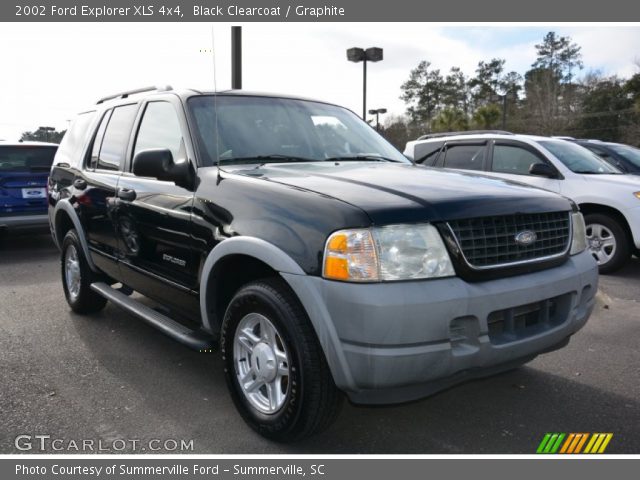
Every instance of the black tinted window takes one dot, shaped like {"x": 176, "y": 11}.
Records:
{"x": 467, "y": 157}
{"x": 160, "y": 128}
{"x": 116, "y": 138}
{"x": 512, "y": 159}
{"x": 97, "y": 142}
{"x": 26, "y": 159}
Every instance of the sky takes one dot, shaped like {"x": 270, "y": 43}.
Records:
{"x": 52, "y": 71}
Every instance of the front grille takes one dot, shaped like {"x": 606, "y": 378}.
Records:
{"x": 488, "y": 242}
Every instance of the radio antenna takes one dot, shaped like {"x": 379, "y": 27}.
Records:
{"x": 215, "y": 102}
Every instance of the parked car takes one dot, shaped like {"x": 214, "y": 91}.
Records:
{"x": 609, "y": 200}
{"x": 317, "y": 257}
{"x": 24, "y": 168}
{"x": 623, "y": 157}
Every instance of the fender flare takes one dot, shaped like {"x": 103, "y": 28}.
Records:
{"x": 259, "y": 249}
{"x": 65, "y": 205}
{"x": 294, "y": 276}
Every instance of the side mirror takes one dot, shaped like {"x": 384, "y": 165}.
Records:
{"x": 158, "y": 163}
{"x": 542, "y": 170}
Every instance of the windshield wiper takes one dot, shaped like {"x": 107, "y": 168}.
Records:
{"x": 265, "y": 158}
{"x": 356, "y": 158}
{"x": 591, "y": 172}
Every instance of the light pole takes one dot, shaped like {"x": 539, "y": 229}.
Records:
{"x": 356, "y": 54}
{"x": 502, "y": 93}
{"x": 377, "y": 113}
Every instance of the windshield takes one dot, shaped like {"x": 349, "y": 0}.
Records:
{"x": 630, "y": 153}
{"x": 26, "y": 159}
{"x": 578, "y": 159}
{"x": 265, "y": 129}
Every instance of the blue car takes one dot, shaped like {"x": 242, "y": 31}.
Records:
{"x": 24, "y": 169}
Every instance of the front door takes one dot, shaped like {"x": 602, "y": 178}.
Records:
{"x": 154, "y": 217}
{"x": 512, "y": 160}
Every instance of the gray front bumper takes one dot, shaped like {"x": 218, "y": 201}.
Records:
{"x": 24, "y": 221}
{"x": 398, "y": 341}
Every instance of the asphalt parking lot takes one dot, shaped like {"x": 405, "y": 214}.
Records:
{"x": 110, "y": 376}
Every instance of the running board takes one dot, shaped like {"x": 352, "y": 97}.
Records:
{"x": 194, "y": 339}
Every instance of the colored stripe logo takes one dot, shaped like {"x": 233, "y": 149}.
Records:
{"x": 574, "y": 443}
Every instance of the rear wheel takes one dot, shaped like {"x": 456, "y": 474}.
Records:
{"x": 275, "y": 368}
{"x": 607, "y": 241}
{"x": 77, "y": 277}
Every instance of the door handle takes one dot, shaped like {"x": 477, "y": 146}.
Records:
{"x": 80, "y": 183}
{"x": 126, "y": 194}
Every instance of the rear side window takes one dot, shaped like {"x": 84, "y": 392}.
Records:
{"x": 97, "y": 141}
{"x": 26, "y": 159}
{"x": 466, "y": 157}
{"x": 116, "y": 138}
{"x": 512, "y": 159}
{"x": 73, "y": 142}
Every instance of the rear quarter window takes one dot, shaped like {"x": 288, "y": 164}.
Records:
{"x": 73, "y": 142}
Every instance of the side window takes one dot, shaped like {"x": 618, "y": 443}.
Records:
{"x": 427, "y": 153}
{"x": 513, "y": 159}
{"x": 467, "y": 157}
{"x": 116, "y": 138}
{"x": 97, "y": 141}
{"x": 160, "y": 128}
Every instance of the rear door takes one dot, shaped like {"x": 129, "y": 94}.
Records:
{"x": 512, "y": 160}
{"x": 24, "y": 171}
{"x": 95, "y": 189}
{"x": 154, "y": 217}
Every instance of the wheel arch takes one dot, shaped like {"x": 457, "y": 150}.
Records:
{"x": 245, "y": 259}
{"x": 588, "y": 208}
{"x": 65, "y": 218}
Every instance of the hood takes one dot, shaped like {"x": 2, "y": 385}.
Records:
{"x": 397, "y": 193}
{"x": 632, "y": 182}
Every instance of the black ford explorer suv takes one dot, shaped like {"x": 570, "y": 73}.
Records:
{"x": 318, "y": 258}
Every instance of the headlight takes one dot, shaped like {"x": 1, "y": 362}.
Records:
{"x": 579, "y": 241}
{"x": 395, "y": 252}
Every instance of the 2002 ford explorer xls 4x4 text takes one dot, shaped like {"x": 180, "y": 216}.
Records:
{"x": 318, "y": 258}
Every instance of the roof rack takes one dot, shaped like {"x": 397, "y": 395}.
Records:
{"x": 133, "y": 92}
{"x": 465, "y": 132}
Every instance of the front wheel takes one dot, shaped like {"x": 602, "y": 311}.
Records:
{"x": 275, "y": 369}
{"x": 607, "y": 241}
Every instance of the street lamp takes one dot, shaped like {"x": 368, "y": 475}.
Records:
{"x": 377, "y": 113}
{"x": 356, "y": 55}
{"x": 46, "y": 131}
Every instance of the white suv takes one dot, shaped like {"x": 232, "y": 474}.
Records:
{"x": 609, "y": 200}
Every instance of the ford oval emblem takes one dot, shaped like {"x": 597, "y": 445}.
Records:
{"x": 526, "y": 238}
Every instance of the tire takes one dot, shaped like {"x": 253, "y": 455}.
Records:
{"x": 308, "y": 400}
{"x": 77, "y": 277}
{"x": 607, "y": 241}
